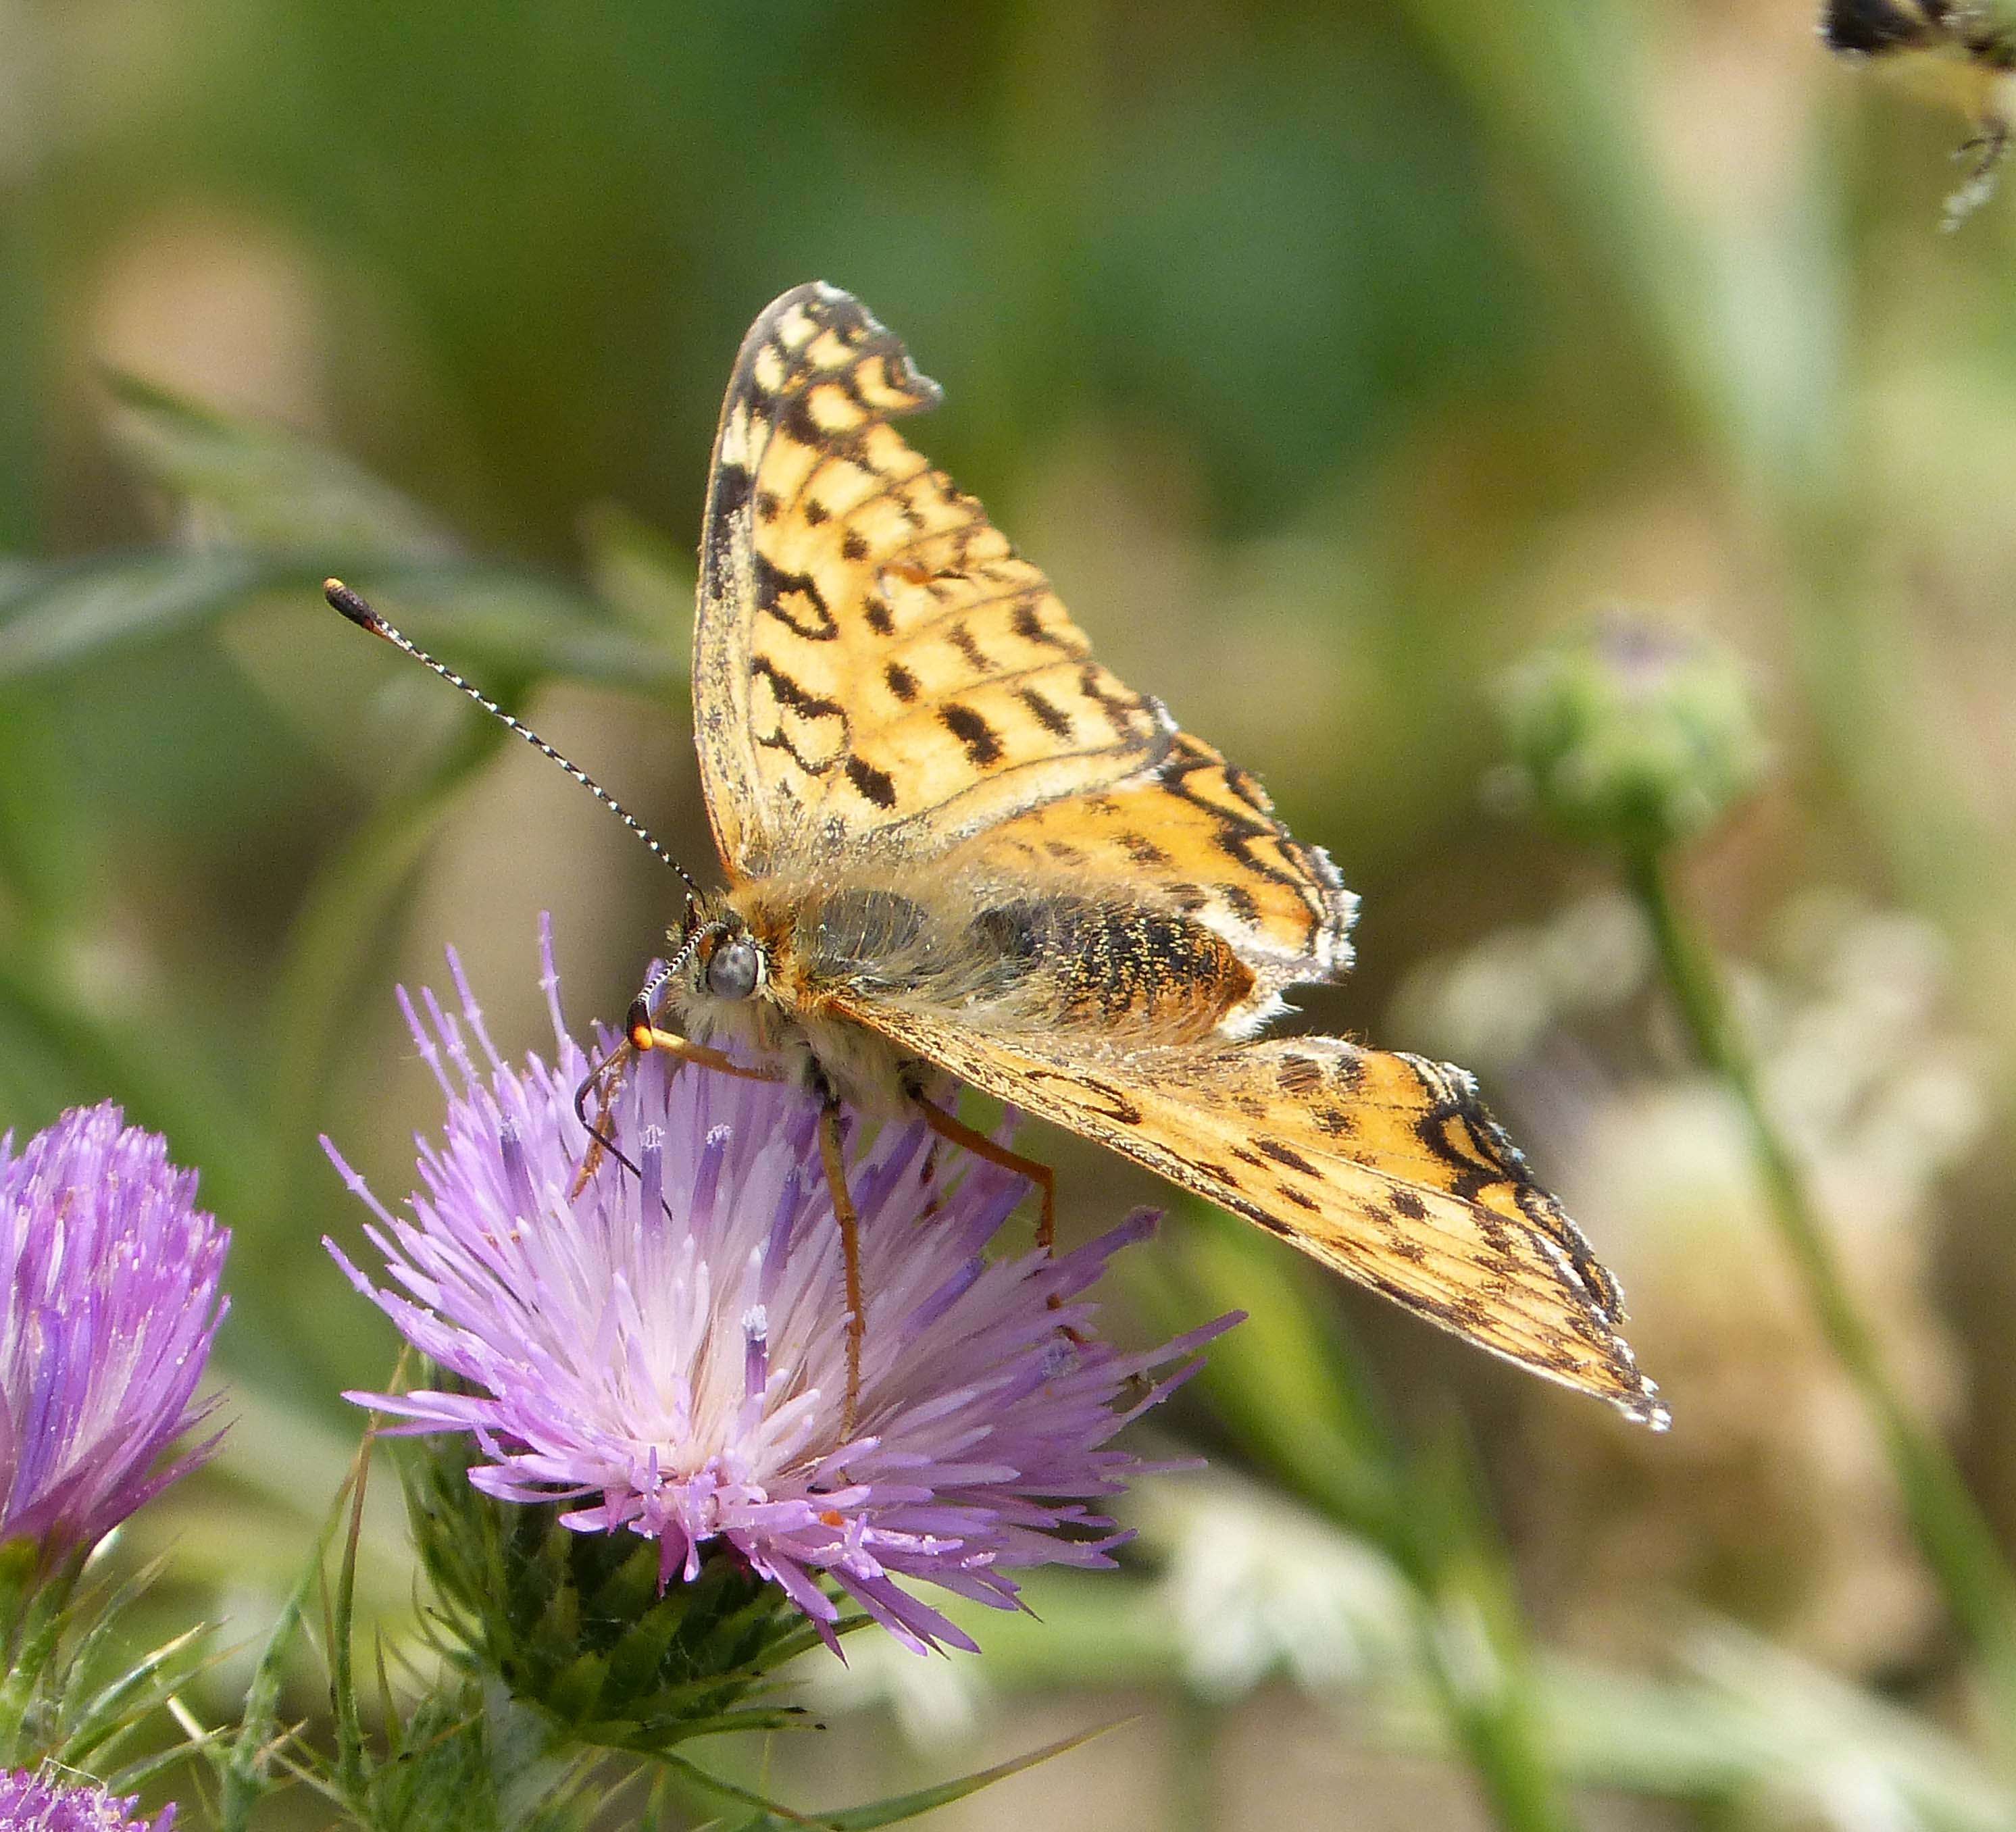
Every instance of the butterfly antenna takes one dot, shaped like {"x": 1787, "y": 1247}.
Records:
{"x": 645, "y": 1005}
{"x": 352, "y": 605}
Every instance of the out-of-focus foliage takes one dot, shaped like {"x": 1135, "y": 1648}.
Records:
{"x": 1331, "y": 358}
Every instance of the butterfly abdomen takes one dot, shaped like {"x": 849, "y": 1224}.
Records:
{"x": 1114, "y": 965}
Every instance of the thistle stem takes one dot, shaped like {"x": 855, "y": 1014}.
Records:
{"x": 1971, "y": 1569}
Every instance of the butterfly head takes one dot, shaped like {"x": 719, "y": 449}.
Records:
{"x": 716, "y": 960}
{"x": 728, "y": 963}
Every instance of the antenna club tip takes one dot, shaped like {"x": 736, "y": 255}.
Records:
{"x": 353, "y": 606}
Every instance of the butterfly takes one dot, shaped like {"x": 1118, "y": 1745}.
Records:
{"x": 955, "y": 845}
{"x": 1964, "y": 50}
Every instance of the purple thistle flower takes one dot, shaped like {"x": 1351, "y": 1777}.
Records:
{"x": 29, "y": 1803}
{"x": 109, "y": 1276}
{"x": 672, "y": 1352}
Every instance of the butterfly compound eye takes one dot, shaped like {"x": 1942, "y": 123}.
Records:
{"x": 733, "y": 969}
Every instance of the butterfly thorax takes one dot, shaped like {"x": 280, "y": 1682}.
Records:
{"x": 993, "y": 952}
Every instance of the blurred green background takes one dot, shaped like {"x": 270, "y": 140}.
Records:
{"x": 1329, "y": 357}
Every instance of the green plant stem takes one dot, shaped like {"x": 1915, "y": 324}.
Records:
{"x": 1957, "y": 1542}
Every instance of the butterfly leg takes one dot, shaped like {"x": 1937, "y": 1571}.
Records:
{"x": 928, "y": 1176}
{"x": 833, "y": 1154}
{"x": 641, "y": 1035}
{"x": 949, "y": 1126}
{"x": 645, "y": 1036}
{"x": 608, "y": 1074}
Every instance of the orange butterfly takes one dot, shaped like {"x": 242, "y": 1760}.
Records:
{"x": 954, "y": 842}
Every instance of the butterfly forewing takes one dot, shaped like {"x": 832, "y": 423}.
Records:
{"x": 873, "y": 664}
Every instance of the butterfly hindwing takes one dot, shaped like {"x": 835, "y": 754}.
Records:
{"x": 873, "y": 663}
{"x": 1197, "y": 835}
{"x": 1386, "y": 1167}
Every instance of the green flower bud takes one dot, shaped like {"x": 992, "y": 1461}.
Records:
{"x": 575, "y": 1624}
{"x": 1634, "y": 734}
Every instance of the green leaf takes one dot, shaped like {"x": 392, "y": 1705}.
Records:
{"x": 246, "y": 1761}
{"x": 261, "y": 486}
{"x": 266, "y": 510}
{"x": 72, "y": 1694}
{"x": 58, "y": 616}
{"x": 490, "y": 616}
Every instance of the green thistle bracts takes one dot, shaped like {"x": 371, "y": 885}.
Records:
{"x": 1634, "y": 734}
{"x": 574, "y": 1623}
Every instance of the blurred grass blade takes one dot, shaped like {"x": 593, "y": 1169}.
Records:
{"x": 1753, "y": 1731}
{"x": 261, "y": 486}
{"x": 1278, "y": 1381}
{"x": 59, "y": 616}
{"x": 1820, "y": 1737}
{"x": 336, "y": 935}
{"x": 1289, "y": 1386}
{"x": 44, "y": 838}
{"x": 512, "y": 619}
{"x": 1738, "y": 307}
{"x": 1958, "y": 1540}
{"x": 497, "y": 617}
{"x": 908, "y": 1806}
{"x": 642, "y": 573}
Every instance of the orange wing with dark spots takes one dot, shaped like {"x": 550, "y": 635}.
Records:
{"x": 872, "y": 661}
{"x": 1386, "y": 1167}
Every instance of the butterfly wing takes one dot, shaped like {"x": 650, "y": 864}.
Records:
{"x": 877, "y": 673}
{"x": 873, "y": 664}
{"x": 1387, "y": 1167}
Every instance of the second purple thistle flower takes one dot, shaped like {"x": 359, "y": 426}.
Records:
{"x": 669, "y": 1350}
{"x": 109, "y": 1304}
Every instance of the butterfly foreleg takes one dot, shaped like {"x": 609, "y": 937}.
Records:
{"x": 645, "y": 1035}
{"x": 607, "y": 1076}
{"x": 832, "y": 1153}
